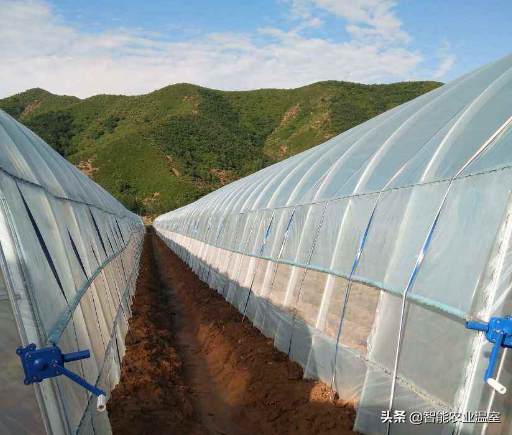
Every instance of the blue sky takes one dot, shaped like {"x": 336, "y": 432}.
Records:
{"x": 86, "y": 47}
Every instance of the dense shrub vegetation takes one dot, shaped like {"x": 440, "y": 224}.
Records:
{"x": 162, "y": 150}
{"x": 56, "y": 128}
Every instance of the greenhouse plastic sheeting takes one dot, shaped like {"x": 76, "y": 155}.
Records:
{"x": 363, "y": 257}
{"x": 69, "y": 257}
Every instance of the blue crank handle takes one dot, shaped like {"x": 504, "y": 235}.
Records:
{"x": 80, "y": 381}
{"x": 498, "y": 332}
{"x": 493, "y": 357}
{"x": 492, "y": 363}
{"x": 484, "y": 327}
{"x": 76, "y": 356}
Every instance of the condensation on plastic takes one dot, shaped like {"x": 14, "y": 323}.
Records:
{"x": 70, "y": 254}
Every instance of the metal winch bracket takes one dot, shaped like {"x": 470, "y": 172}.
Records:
{"x": 48, "y": 362}
{"x": 498, "y": 332}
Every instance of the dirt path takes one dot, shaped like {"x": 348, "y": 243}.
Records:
{"x": 195, "y": 368}
{"x": 153, "y": 396}
{"x": 207, "y": 399}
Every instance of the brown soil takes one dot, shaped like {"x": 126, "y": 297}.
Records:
{"x": 225, "y": 176}
{"x": 196, "y": 368}
{"x": 171, "y": 167}
{"x": 29, "y": 108}
{"x": 152, "y": 396}
{"x": 151, "y": 199}
{"x": 290, "y": 113}
{"x": 86, "y": 167}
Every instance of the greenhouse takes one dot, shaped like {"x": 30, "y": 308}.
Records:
{"x": 364, "y": 257}
{"x": 69, "y": 256}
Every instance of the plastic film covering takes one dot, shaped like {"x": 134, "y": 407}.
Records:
{"x": 364, "y": 256}
{"x": 69, "y": 257}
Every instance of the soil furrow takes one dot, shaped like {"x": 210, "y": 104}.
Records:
{"x": 195, "y": 368}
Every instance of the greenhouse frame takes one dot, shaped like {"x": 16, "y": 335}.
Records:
{"x": 364, "y": 257}
{"x": 69, "y": 261}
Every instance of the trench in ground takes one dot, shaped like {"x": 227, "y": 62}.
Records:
{"x": 193, "y": 367}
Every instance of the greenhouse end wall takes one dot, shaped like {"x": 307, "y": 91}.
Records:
{"x": 363, "y": 257}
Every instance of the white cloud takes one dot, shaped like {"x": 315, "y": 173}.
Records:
{"x": 445, "y": 66}
{"x": 447, "y": 60}
{"x": 368, "y": 20}
{"x": 38, "y": 48}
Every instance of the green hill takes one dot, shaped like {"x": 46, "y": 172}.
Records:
{"x": 159, "y": 151}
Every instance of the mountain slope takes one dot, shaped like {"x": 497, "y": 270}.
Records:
{"x": 159, "y": 151}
